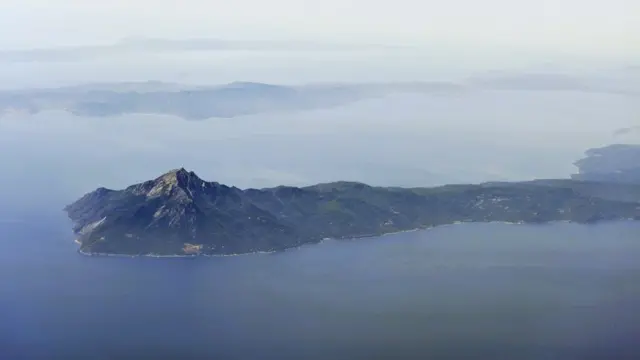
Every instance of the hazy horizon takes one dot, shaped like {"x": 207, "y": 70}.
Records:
{"x": 569, "y": 26}
{"x": 399, "y": 140}
{"x": 460, "y": 36}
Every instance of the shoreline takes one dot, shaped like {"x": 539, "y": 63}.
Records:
{"x": 427, "y": 228}
{"x": 157, "y": 256}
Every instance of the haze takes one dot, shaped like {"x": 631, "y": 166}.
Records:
{"x": 566, "y": 27}
{"x": 570, "y": 68}
{"x": 254, "y": 94}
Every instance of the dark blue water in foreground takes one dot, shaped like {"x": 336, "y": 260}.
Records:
{"x": 477, "y": 291}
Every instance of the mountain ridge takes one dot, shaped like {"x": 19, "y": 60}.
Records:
{"x": 178, "y": 213}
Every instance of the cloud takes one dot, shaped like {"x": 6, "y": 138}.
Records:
{"x": 627, "y": 131}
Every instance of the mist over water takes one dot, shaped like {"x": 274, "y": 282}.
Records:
{"x": 401, "y": 140}
{"x": 218, "y": 67}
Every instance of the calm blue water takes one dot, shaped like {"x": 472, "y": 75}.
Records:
{"x": 481, "y": 291}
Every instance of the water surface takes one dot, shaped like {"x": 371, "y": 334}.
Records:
{"x": 498, "y": 291}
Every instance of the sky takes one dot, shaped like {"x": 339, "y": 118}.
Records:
{"x": 569, "y": 26}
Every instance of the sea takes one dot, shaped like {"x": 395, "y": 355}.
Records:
{"x": 466, "y": 291}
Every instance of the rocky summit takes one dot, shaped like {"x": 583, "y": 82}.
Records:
{"x": 178, "y": 213}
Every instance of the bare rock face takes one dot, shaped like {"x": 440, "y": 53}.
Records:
{"x": 180, "y": 214}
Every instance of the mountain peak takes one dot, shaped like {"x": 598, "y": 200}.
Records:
{"x": 175, "y": 179}
{"x": 174, "y": 175}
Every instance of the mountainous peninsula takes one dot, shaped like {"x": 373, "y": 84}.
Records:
{"x": 180, "y": 214}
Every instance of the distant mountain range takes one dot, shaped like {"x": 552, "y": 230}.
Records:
{"x": 202, "y": 102}
{"x": 245, "y": 98}
{"x": 180, "y": 214}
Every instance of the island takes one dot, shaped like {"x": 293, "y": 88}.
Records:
{"x": 179, "y": 214}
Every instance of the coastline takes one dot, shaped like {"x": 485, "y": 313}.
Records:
{"x": 158, "y": 256}
{"x": 426, "y": 228}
